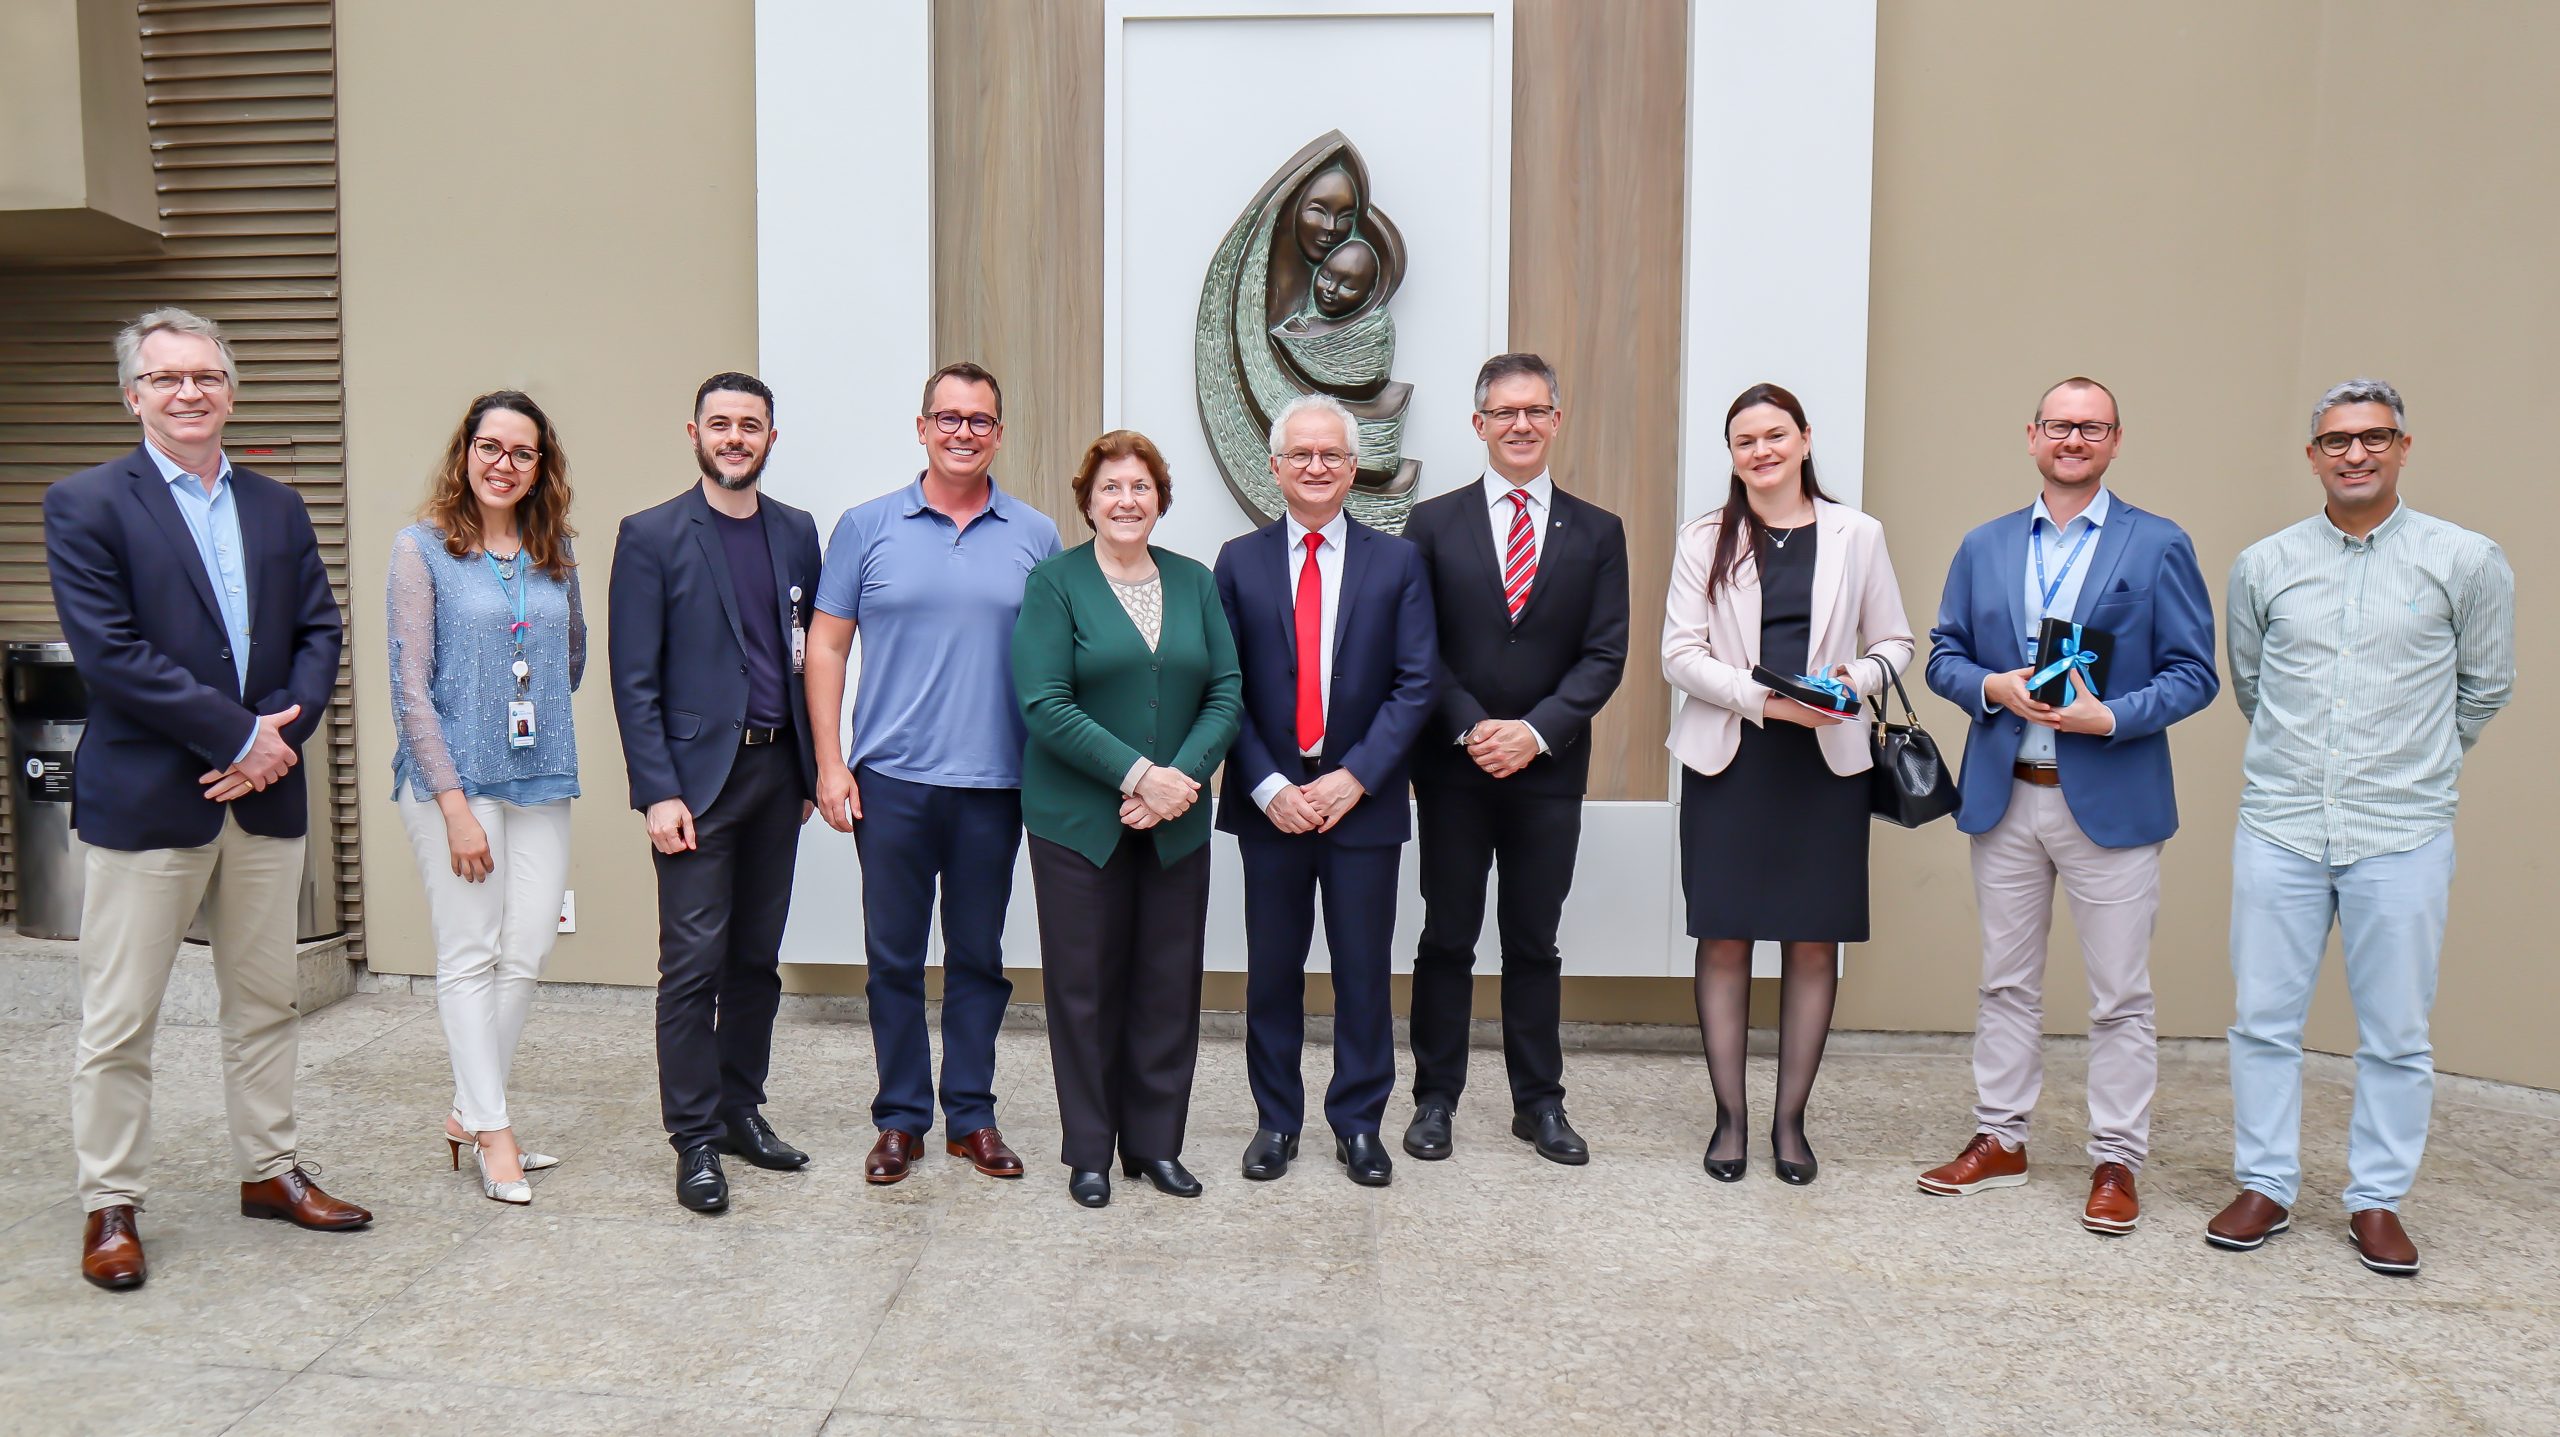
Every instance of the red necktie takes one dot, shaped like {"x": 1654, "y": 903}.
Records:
{"x": 1519, "y": 557}
{"x": 1310, "y": 650}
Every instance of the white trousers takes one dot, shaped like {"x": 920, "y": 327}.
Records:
{"x": 491, "y": 938}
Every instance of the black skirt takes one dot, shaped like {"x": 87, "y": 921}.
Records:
{"x": 1775, "y": 847}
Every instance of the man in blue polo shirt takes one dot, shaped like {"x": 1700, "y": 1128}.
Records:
{"x": 932, "y": 577}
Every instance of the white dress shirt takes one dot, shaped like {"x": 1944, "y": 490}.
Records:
{"x": 1541, "y": 492}
{"x": 1328, "y": 573}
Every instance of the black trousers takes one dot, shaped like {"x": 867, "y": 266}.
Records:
{"x": 1465, "y": 830}
{"x": 1120, "y": 957}
{"x": 720, "y": 913}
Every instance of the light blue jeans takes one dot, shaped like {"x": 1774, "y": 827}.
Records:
{"x": 2390, "y": 909}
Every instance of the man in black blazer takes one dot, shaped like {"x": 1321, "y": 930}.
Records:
{"x": 195, "y": 603}
{"x": 1332, "y": 623}
{"x": 1530, "y": 585}
{"x": 709, "y": 623}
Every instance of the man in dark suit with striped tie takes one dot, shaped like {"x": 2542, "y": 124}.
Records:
{"x": 1530, "y": 586}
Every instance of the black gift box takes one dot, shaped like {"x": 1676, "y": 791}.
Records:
{"x": 2054, "y": 638}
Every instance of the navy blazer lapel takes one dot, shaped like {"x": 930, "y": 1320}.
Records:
{"x": 716, "y": 554}
{"x": 1549, "y": 547}
{"x": 2114, "y": 537}
{"x": 2008, "y": 569}
{"x": 1358, "y": 544}
{"x": 1479, "y": 542}
{"x": 152, "y": 493}
{"x": 784, "y": 581}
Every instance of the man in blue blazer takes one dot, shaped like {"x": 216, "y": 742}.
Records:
{"x": 1334, "y": 630}
{"x": 193, "y": 596}
{"x": 708, "y": 623}
{"x": 2081, "y": 789}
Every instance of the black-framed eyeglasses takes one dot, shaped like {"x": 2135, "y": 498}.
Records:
{"x": 1303, "y": 460}
{"x": 950, "y": 421}
{"x": 2374, "y": 441}
{"x": 170, "y": 381}
{"x": 1535, "y": 414}
{"x": 493, "y": 452}
{"x": 2089, "y": 430}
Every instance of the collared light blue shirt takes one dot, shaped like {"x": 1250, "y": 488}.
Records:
{"x": 213, "y": 521}
{"x": 2036, "y": 744}
{"x": 933, "y": 604}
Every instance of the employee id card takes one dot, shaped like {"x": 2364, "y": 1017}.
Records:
{"x": 520, "y": 726}
{"x": 799, "y": 636}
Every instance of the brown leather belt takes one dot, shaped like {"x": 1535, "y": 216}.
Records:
{"x": 2044, "y": 775}
{"x": 759, "y": 737}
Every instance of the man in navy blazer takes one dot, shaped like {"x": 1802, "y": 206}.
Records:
{"x": 1334, "y": 630}
{"x": 2080, "y": 789}
{"x": 194, "y": 600}
{"x": 708, "y": 622}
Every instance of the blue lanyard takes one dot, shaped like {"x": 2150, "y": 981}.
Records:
{"x": 2035, "y": 546}
{"x": 519, "y": 628}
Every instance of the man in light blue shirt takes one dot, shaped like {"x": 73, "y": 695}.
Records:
{"x": 2370, "y": 644}
{"x": 213, "y": 520}
{"x": 931, "y": 577}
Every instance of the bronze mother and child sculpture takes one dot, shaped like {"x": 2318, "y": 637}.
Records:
{"x": 1296, "y": 303}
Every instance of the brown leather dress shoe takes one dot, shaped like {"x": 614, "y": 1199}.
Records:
{"x": 891, "y": 1156}
{"x": 986, "y": 1152}
{"x": 2248, "y": 1222}
{"x": 1982, "y": 1164}
{"x": 2113, "y": 1208}
{"x": 2381, "y": 1243}
{"x": 111, "y": 1249}
{"x": 291, "y": 1196}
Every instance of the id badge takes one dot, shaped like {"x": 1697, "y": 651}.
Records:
{"x": 520, "y": 728}
{"x": 799, "y": 636}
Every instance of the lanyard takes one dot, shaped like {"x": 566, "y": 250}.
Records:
{"x": 2035, "y": 545}
{"x": 519, "y": 628}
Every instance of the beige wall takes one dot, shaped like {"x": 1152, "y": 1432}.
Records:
{"x": 2218, "y": 209}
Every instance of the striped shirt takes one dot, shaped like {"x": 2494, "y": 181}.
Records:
{"x": 2366, "y": 668}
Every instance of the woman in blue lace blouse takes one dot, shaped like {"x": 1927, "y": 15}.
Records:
{"x": 488, "y": 641}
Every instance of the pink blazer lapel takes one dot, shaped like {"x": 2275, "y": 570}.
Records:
{"x": 1830, "y": 574}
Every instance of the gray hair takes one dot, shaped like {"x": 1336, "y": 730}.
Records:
{"x": 1503, "y": 366}
{"x": 1317, "y": 404}
{"x": 2360, "y": 391}
{"x": 171, "y": 320}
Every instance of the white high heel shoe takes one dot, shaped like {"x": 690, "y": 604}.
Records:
{"x": 533, "y": 1162}
{"x": 518, "y": 1192}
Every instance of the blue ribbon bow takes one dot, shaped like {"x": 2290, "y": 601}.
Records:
{"x": 1842, "y": 699}
{"x": 2074, "y": 658}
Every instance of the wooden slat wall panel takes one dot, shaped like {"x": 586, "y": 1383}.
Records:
{"x": 1596, "y": 220}
{"x": 1017, "y": 233}
{"x": 244, "y": 144}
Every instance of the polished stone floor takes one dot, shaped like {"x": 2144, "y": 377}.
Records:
{"x": 1491, "y": 1293}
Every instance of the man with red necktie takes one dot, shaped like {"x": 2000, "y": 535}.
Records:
{"x": 1532, "y": 611}
{"x": 1333, "y": 628}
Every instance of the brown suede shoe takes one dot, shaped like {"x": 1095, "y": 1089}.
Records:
{"x": 111, "y": 1249}
{"x": 1982, "y": 1164}
{"x": 2381, "y": 1243}
{"x": 2113, "y": 1208}
{"x": 891, "y": 1156}
{"x": 291, "y": 1196}
{"x": 986, "y": 1152}
{"x": 2248, "y": 1222}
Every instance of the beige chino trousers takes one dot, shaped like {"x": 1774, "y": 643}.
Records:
{"x": 135, "y": 910}
{"x": 2115, "y": 901}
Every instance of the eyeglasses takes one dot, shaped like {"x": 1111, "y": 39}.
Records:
{"x": 2373, "y": 440}
{"x": 170, "y": 381}
{"x": 2090, "y": 431}
{"x": 1505, "y": 418}
{"x": 493, "y": 452}
{"x": 1303, "y": 460}
{"x": 950, "y": 421}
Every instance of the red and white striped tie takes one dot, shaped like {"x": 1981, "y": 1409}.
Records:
{"x": 1519, "y": 556}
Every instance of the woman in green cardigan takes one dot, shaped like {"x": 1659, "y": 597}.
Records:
{"x": 1129, "y": 689}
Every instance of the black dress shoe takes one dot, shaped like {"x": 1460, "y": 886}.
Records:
{"x": 1553, "y": 1137}
{"x": 1268, "y": 1155}
{"x": 700, "y": 1185}
{"x": 1365, "y": 1158}
{"x": 1728, "y": 1170}
{"x": 751, "y": 1137}
{"x": 1428, "y": 1136}
{"x": 1089, "y": 1188}
{"x": 1168, "y": 1175}
{"x": 1796, "y": 1174}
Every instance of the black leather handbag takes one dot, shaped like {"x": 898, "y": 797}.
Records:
{"x": 1910, "y": 784}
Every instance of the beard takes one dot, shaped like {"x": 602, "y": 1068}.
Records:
{"x": 711, "y": 470}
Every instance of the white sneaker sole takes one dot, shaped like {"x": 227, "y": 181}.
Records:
{"x": 2009, "y": 1180}
{"x": 2234, "y": 1244}
{"x": 2387, "y": 1269}
{"x": 2107, "y": 1229}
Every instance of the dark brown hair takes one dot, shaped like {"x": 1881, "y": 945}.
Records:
{"x": 975, "y": 374}
{"x": 1738, "y": 519}
{"x": 1122, "y": 444}
{"x": 542, "y": 515}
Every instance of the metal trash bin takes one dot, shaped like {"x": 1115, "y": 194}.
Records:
{"x": 48, "y": 709}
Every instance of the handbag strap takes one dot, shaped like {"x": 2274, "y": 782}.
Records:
{"x": 1893, "y": 680}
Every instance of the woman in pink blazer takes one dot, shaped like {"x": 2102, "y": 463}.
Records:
{"x": 1773, "y": 794}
